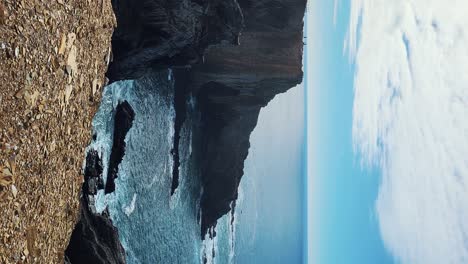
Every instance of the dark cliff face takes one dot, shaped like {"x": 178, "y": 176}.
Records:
{"x": 241, "y": 53}
{"x": 233, "y": 83}
{"x": 94, "y": 239}
{"x": 237, "y": 55}
{"x": 167, "y": 33}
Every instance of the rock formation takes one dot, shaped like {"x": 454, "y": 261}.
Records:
{"x": 94, "y": 239}
{"x": 233, "y": 55}
{"x": 162, "y": 33}
{"x": 124, "y": 116}
{"x": 233, "y": 83}
{"x": 242, "y": 53}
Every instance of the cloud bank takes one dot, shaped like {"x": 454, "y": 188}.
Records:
{"x": 410, "y": 118}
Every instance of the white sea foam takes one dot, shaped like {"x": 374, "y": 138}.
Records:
{"x": 232, "y": 235}
{"x": 208, "y": 246}
{"x": 169, "y": 75}
{"x": 103, "y": 125}
{"x": 131, "y": 207}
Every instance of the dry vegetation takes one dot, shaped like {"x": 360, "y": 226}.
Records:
{"x": 53, "y": 55}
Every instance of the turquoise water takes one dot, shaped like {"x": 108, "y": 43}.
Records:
{"x": 153, "y": 226}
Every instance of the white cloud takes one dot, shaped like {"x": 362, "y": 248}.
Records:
{"x": 335, "y": 11}
{"x": 410, "y": 118}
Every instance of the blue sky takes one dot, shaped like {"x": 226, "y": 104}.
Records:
{"x": 341, "y": 194}
{"x": 387, "y": 141}
{"x": 408, "y": 120}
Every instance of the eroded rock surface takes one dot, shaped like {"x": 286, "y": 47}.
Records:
{"x": 234, "y": 83}
{"x": 124, "y": 116}
{"x": 161, "y": 33}
{"x": 94, "y": 239}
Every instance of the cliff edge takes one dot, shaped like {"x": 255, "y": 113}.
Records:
{"x": 53, "y": 57}
{"x": 238, "y": 55}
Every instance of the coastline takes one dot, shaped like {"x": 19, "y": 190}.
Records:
{"x": 229, "y": 87}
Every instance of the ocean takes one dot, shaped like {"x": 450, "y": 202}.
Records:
{"x": 157, "y": 227}
{"x": 154, "y": 227}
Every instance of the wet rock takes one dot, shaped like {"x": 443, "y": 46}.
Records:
{"x": 180, "y": 105}
{"x": 94, "y": 239}
{"x": 123, "y": 121}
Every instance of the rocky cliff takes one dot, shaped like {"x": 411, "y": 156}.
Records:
{"x": 94, "y": 238}
{"x": 233, "y": 55}
{"x": 233, "y": 83}
{"x": 168, "y": 33}
{"x": 240, "y": 55}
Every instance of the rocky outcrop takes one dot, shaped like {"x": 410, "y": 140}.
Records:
{"x": 123, "y": 121}
{"x": 94, "y": 239}
{"x": 181, "y": 91}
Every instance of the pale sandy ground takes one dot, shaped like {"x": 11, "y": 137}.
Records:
{"x": 53, "y": 56}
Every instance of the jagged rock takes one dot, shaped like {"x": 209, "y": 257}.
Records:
{"x": 92, "y": 173}
{"x": 94, "y": 238}
{"x": 181, "y": 86}
{"x": 123, "y": 121}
